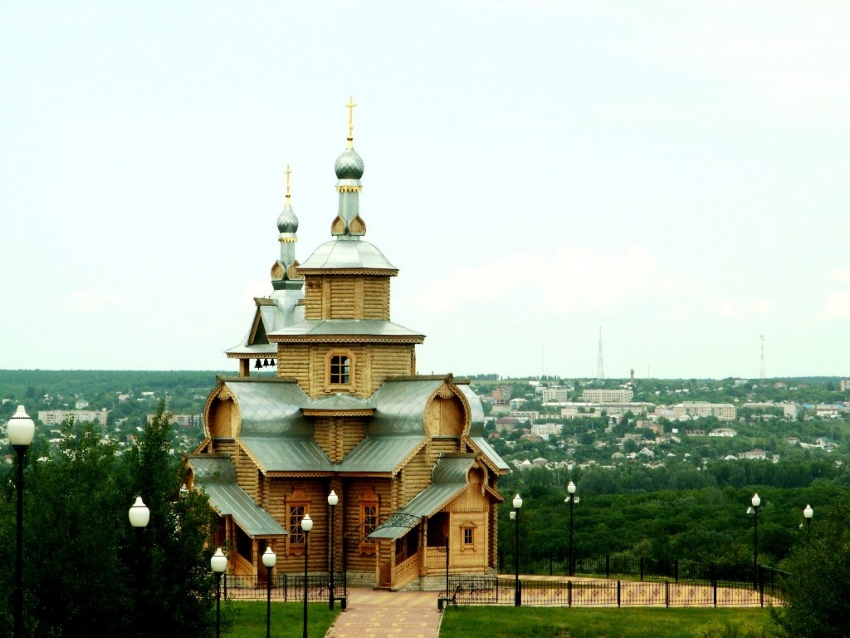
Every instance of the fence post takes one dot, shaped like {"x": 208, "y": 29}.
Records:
{"x": 666, "y": 593}
{"x": 569, "y": 593}
{"x": 714, "y": 582}
{"x": 607, "y": 566}
{"x": 618, "y": 593}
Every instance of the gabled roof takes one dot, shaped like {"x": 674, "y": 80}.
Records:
{"x": 269, "y": 405}
{"x": 380, "y": 454}
{"x": 476, "y": 428}
{"x": 400, "y": 406}
{"x": 272, "y": 313}
{"x": 217, "y": 477}
{"x": 448, "y": 480}
{"x": 274, "y": 431}
{"x": 286, "y": 453}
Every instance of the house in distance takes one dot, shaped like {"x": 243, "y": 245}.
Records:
{"x": 345, "y": 412}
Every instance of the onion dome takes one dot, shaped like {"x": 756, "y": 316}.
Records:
{"x": 349, "y": 165}
{"x": 287, "y": 222}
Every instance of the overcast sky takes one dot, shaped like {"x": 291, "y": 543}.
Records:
{"x": 674, "y": 173}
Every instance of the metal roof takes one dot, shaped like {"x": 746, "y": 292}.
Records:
{"x": 347, "y": 253}
{"x": 488, "y": 451}
{"x": 449, "y": 479}
{"x": 339, "y": 402}
{"x": 275, "y": 312}
{"x": 217, "y": 477}
{"x": 345, "y": 328}
{"x": 270, "y": 406}
{"x": 287, "y": 453}
{"x": 400, "y": 406}
{"x": 380, "y": 453}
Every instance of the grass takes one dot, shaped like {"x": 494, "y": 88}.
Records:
{"x": 550, "y": 622}
{"x": 247, "y": 619}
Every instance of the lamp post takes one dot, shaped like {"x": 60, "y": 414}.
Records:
{"x": 269, "y": 560}
{"x": 808, "y": 512}
{"x": 140, "y": 516}
{"x": 756, "y": 501}
{"x": 218, "y": 563}
{"x": 572, "y": 499}
{"x": 306, "y": 526}
{"x": 517, "y": 591}
{"x": 20, "y": 430}
{"x": 333, "y": 499}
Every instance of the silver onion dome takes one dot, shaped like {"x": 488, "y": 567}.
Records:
{"x": 287, "y": 222}
{"x": 349, "y": 165}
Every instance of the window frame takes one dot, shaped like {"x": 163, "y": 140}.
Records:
{"x": 337, "y": 379}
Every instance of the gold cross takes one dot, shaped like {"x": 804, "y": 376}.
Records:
{"x": 350, "y": 106}
{"x": 288, "y": 172}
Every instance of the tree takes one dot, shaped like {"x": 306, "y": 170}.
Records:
{"x": 819, "y": 583}
{"x": 178, "y": 589}
{"x": 86, "y": 573}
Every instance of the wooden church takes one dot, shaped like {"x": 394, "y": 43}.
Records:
{"x": 346, "y": 412}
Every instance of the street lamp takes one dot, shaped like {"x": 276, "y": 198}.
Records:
{"x": 20, "y": 430}
{"x": 306, "y": 526}
{"x": 140, "y": 516}
{"x": 756, "y": 501}
{"x": 333, "y": 499}
{"x": 269, "y": 560}
{"x": 218, "y": 563}
{"x": 808, "y": 512}
{"x": 517, "y": 592}
{"x": 572, "y": 499}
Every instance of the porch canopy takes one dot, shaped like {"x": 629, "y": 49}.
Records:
{"x": 449, "y": 479}
{"x": 217, "y": 477}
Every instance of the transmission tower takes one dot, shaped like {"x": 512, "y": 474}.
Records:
{"x": 600, "y": 373}
{"x": 762, "y": 357}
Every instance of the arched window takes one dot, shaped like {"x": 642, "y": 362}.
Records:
{"x": 339, "y": 370}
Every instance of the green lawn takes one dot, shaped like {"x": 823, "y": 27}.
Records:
{"x": 550, "y": 622}
{"x": 247, "y": 619}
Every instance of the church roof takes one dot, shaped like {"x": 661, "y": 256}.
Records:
{"x": 347, "y": 254}
{"x": 476, "y": 428}
{"x": 448, "y": 481}
{"x": 400, "y": 406}
{"x": 217, "y": 477}
{"x": 349, "y": 328}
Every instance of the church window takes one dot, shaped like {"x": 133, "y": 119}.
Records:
{"x": 467, "y": 531}
{"x": 369, "y": 516}
{"x": 296, "y": 534}
{"x": 339, "y": 370}
{"x": 297, "y": 505}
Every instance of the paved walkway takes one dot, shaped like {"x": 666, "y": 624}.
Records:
{"x": 374, "y": 613}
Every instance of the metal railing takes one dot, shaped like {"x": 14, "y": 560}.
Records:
{"x": 623, "y": 566}
{"x": 285, "y": 587}
{"x": 559, "y": 592}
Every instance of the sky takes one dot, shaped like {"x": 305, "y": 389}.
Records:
{"x": 673, "y": 174}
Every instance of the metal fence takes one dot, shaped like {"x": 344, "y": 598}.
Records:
{"x": 285, "y": 587}
{"x": 617, "y": 565}
{"x": 553, "y": 591}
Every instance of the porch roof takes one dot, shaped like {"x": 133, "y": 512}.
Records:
{"x": 217, "y": 477}
{"x": 450, "y": 479}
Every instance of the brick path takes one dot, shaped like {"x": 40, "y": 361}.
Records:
{"x": 373, "y": 613}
